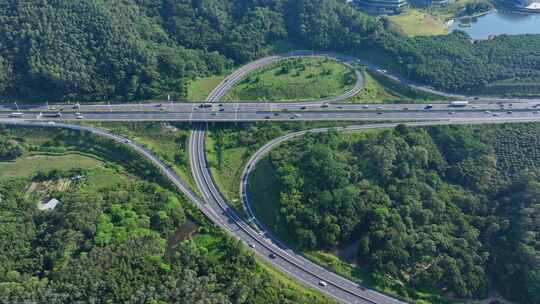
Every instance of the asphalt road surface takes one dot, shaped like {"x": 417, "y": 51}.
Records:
{"x": 390, "y": 112}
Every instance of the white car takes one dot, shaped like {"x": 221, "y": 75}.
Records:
{"x": 323, "y": 283}
{"x": 80, "y": 117}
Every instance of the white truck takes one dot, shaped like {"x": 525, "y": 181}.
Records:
{"x": 459, "y": 103}
{"x": 16, "y": 115}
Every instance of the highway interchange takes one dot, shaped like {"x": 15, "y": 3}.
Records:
{"x": 213, "y": 204}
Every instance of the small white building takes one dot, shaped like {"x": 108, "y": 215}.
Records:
{"x": 50, "y": 205}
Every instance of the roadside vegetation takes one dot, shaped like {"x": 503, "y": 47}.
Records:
{"x": 167, "y": 140}
{"x": 305, "y": 78}
{"x": 433, "y": 214}
{"x": 201, "y": 87}
{"x": 229, "y": 146}
{"x": 119, "y": 234}
{"x": 380, "y": 89}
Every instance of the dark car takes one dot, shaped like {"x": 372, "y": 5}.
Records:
{"x": 273, "y": 255}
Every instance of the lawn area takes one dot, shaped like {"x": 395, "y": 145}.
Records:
{"x": 101, "y": 178}
{"x": 295, "y": 79}
{"x": 199, "y": 88}
{"x": 29, "y": 164}
{"x": 418, "y": 23}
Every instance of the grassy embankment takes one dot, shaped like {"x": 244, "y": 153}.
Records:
{"x": 295, "y": 80}
{"x": 168, "y": 141}
{"x": 380, "y": 89}
{"x": 199, "y": 88}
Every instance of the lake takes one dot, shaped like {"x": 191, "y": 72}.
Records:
{"x": 501, "y": 22}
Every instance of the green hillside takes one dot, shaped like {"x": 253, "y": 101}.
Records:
{"x": 429, "y": 214}
{"x": 132, "y": 50}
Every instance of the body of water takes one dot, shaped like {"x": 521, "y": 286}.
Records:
{"x": 501, "y": 22}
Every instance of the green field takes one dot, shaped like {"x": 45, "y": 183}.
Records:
{"x": 199, "y": 88}
{"x": 30, "y": 164}
{"x": 295, "y": 79}
{"x": 418, "y": 23}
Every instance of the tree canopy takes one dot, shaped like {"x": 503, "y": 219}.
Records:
{"x": 140, "y": 49}
{"x": 430, "y": 208}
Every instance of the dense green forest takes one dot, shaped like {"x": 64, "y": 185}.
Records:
{"x": 118, "y": 235}
{"x": 141, "y": 49}
{"x": 444, "y": 210}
